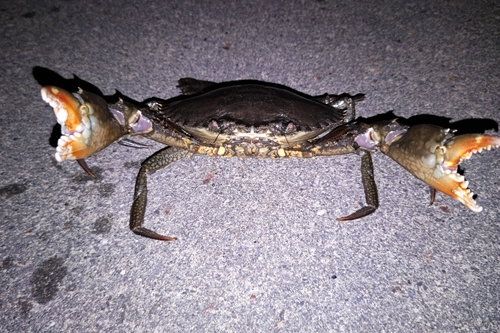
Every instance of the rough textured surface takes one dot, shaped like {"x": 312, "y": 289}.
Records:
{"x": 259, "y": 248}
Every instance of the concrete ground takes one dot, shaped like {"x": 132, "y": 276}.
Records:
{"x": 259, "y": 248}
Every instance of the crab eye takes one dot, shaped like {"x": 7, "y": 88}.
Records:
{"x": 155, "y": 105}
{"x": 290, "y": 128}
{"x": 213, "y": 125}
{"x": 286, "y": 128}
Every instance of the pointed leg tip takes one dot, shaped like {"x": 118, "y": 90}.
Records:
{"x": 362, "y": 212}
{"x": 151, "y": 234}
{"x": 85, "y": 167}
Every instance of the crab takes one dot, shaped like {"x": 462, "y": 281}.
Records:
{"x": 260, "y": 120}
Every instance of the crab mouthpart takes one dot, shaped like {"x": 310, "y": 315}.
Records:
{"x": 130, "y": 118}
{"x": 87, "y": 126}
{"x": 451, "y": 154}
{"x": 140, "y": 124}
{"x": 430, "y": 154}
{"x": 367, "y": 140}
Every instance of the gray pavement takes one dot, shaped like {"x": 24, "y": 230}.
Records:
{"x": 259, "y": 249}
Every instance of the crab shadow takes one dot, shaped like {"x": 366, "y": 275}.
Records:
{"x": 191, "y": 87}
{"x": 463, "y": 126}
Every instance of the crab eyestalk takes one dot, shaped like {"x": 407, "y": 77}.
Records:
{"x": 433, "y": 154}
{"x": 87, "y": 125}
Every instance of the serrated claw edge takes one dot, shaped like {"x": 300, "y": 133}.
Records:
{"x": 87, "y": 125}
{"x": 432, "y": 155}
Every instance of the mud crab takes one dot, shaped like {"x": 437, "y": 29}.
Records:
{"x": 256, "y": 119}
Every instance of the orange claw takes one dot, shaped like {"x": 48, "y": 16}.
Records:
{"x": 463, "y": 146}
{"x": 432, "y": 155}
{"x": 87, "y": 125}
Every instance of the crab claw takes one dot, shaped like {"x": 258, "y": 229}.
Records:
{"x": 432, "y": 154}
{"x": 87, "y": 125}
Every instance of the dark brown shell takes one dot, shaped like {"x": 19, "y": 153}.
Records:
{"x": 252, "y": 105}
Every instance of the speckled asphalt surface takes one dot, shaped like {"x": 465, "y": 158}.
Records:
{"x": 259, "y": 249}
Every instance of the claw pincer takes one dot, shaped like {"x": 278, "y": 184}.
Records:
{"x": 87, "y": 126}
{"x": 432, "y": 154}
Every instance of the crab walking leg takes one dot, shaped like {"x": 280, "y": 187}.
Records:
{"x": 157, "y": 161}
{"x": 371, "y": 194}
{"x": 350, "y": 138}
